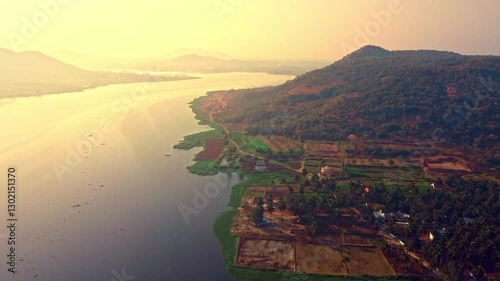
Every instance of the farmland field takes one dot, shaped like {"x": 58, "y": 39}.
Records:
{"x": 212, "y": 149}
{"x": 366, "y": 261}
{"x": 280, "y": 143}
{"x": 381, "y": 172}
{"x": 321, "y": 259}
{"x": 249, "y": 143}
{"x": 266, "y": 254}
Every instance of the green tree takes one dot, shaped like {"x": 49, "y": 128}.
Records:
{"x": 270, "y": 205}
{"x": 258, "y": 215}
{"x": 301, "y": 189}
{"x": 304, "y": 172}
{"x": 282, "y": 205}
{"x": 312, "y": 228}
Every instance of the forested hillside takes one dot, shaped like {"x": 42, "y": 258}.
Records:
{"x": 373, "y": 93}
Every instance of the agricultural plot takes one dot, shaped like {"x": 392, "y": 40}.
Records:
{"x": 199, "y": 139}
{"x": 280, "y": 143}
{"x": 319, "y": 154}
{"x": 343, "y": 246}
{"x": 331, "y": 238}
{"x": 312, "y": 164}
{"x": 276, "y": 191}
{"x": 272, "y": 254}
{"x": 381, "y": 172}
{"x": 356, "y": 239}
{"x": 371, "y": 162}
{"x": 251, "y": 144}
{"x": 366, "y": 261}
{"x": 211, "y": 150}
{"x": 319, "y": 259}
{"x": 265, "y": 191}
{"x": 255, "y": 188}
{"x": 440, "y": 164}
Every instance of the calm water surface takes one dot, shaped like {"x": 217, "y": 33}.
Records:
{"x": 97, "y": 197}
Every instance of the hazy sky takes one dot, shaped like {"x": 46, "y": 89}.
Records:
{"x": 300, "y": 29}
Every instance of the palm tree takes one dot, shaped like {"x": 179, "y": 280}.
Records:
{"x": 257, "y": 215}
{"x": 260, "y": 201}
{"x": 292, "y": 204}
{"x": 304, "y": 172}
{"x": 301, "y": 189}
{"x": 270, "y": 206}
{"x": 282, "y": 205}
{"x": 312, "y": 228}
{"x": 270, "y": 209}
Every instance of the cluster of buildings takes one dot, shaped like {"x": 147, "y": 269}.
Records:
{"x": 383, "y": 218}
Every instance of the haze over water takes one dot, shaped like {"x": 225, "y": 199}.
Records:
{"x": 116, "y": 209}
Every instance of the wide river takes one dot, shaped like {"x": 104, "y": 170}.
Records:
{"x": 97, "y": 197}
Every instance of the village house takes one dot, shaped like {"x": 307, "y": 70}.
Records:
{"x": 325, "y": 171}
{"x": 260, "y": 166}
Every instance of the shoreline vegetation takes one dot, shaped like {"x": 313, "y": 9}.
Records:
{"x": 223, "y": 224}
{"x": 202, "y": 167}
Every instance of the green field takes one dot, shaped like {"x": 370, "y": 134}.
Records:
{"x": 249, "y": 144}
{"x": 203, "y": 168}
{"x": 312, "y": 165}
{"x": 384, "y": 172}
{"x": 198, "y": 139}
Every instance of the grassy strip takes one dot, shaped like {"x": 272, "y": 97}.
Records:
{"x": 252, "y": 143}
{"x": 198, "y": 139}
{"x": 203, "y": 168}
{"x": 208, "y": 168}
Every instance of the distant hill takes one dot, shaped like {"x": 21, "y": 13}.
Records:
{"x": 34, "y": 73}
{"x": 190, "y": 60}
{"x": 88, "y": 61}
{"x": 198, "y": 51}
{"x": 196, "y": 63}
{"x": 33, "y": 63}
{"x": 374, "y": 93}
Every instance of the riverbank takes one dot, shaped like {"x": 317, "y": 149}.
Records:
{"x": 222, "y": 226}
{"x": 202, "y": 167}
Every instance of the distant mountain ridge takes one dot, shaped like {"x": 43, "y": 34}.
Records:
{"x": 191, "y": 60}
{"x": 34, "y": 73}
{"x": 24, "y": 61}
{"x": 198, "y": 51}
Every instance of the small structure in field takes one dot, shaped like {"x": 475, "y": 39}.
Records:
{"x": 325, "y": 171}
{"x": 260, "y": 166}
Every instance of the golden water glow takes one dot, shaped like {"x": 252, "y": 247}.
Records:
{"x": 298, "y": 29}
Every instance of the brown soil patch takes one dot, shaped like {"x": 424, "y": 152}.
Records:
{"x": 366, "y": 261}
{"x": 271, "y": 254}
{"x": 321, "y": 259}
{"x": 212, "y": 149}
{"x": 355, "y": 239}
{"x": 276, "y": 191}
{"x": 255, "y": 188}
{"x": 447, "y": 164}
